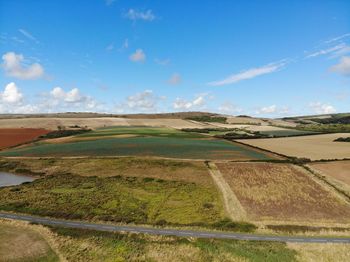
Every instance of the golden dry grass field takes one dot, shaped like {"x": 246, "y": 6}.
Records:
{"x": 314, "y": 147}
{"x": 283, "y": 192}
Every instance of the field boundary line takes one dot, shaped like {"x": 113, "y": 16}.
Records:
{"x": 231, "y": 203}
{"x": 326, "y": 183}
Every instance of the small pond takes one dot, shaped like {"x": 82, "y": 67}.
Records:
{"x": 8, "y": 179}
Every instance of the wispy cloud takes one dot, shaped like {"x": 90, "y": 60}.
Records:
{"x": 327, "y": 50}
{"x": 335, "y": 39}
{"x": 109, "y": 2}
{"x": 250, "y": 73}
{"x": 28, "y": 35}
{"x": 110, "y": 47}
{"x": 134, "y": 15}
{"x": 125, "y": 45}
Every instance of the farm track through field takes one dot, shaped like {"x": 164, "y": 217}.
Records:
{"x": 232, "y": 205}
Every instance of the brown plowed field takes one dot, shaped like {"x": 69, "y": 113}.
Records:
{"x": 15, "y": 136}
{"x": 283, "y": 192}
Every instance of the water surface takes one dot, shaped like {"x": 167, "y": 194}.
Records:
{"x": 8, "y": 179}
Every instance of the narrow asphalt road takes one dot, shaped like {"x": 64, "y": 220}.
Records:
{"x": 171, "y": 232}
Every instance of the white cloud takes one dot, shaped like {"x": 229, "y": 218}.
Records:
{"x": 138, "y": 56}
{"x": 183, "y": 104}
{"x": 229, "y": 108}
{"x": 11, "y": 94}
{"x": 175, "y": 79}
{"x": 343, "y": 67}
{"x": 58, "y": 98}
{"x": 28, "y": 35}
{"x": 272, "y": 110}
{"x": 134, "y": 15}
{"x": 267, "y": 110}
{"x": 145, "y": 101}
{"x": 13, "y": 66}
{"x": 249, "y": 74}
{"x": 321, "y": 108}
{"x": 11, "y": 101}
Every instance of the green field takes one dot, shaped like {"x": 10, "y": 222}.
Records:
{"x": 143, "y": 146}
{"x": 140, "y": 131}
{"x": 289, "y": 132}
{"x": 118, "y": 199}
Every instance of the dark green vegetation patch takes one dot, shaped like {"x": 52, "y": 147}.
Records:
{"x": 342, "y": 139}
{"x": 217, "y": 119}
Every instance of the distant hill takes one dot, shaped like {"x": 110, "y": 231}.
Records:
{"x": 178, "y": 115}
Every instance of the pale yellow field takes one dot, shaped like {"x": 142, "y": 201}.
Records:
{"x": 166, "y": 122}
{"x": 93, "y": 123}
{"x": 315, "y": 147}
{"x": 244, "y": 120}
{"x": 53, "y": 123}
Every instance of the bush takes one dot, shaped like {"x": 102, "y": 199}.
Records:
{"x": 63, "y": 133}
{"x": 342, "y": 139}
{"x": 218, "y": 119}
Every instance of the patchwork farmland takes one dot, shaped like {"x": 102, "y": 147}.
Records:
{"x": 136, "y": 141}
{"x": 145, "y": 171}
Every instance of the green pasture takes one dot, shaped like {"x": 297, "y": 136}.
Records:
{"x": 143, "y": 146}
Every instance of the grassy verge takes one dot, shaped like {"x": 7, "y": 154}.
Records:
{"x": 23, "y": 244}
{"x": 83, "y": 245}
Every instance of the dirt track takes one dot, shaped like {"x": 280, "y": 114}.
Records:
{"x": 232, "y": 205}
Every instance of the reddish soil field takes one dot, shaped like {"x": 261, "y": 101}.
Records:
{"x": 282, "y": 192}
{"x": 15, "y": 136}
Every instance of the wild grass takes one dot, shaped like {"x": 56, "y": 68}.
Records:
{"x": 283, "y": 192}
{"x": 116, "y": 199}
{"x": 175, "y": 170}
{"x": 83, "y": 245}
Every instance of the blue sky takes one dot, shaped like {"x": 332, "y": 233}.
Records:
{"x": 263, "y": 58}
